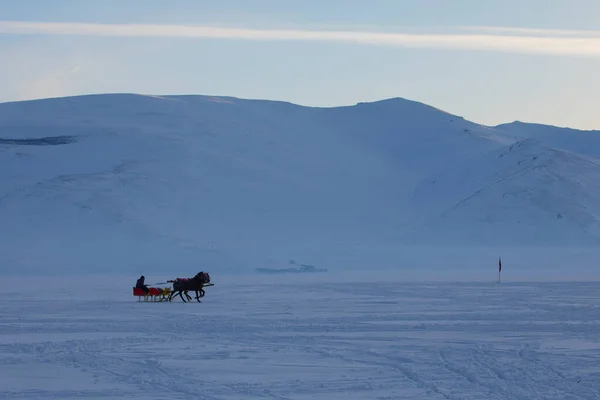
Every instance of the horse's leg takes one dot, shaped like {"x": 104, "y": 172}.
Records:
{"x": 197, "y": 295}
{"x": 188, "y": 296}
{"x": 180, "y": 295}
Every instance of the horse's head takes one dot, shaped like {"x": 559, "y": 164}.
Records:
{"x": 203, "y": 277}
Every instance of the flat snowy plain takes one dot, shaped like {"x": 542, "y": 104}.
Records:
{"x": 290, "y": 338}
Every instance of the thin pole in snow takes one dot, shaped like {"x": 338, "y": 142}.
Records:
{"x": 499, "y": 268}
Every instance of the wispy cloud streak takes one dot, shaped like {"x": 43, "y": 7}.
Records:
{"x": 533, "y": 31}
{"x": 500, "y": 39}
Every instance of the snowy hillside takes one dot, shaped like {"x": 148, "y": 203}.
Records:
{"x": 583, "y": 142}
{"x": 518, "y": 193}
{"x": 130, "y": 183}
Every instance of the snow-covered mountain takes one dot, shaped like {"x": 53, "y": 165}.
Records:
{"x": 523, "y": 193}
{"x": 130, "y": 182}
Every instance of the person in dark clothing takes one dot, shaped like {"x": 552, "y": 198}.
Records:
{"x": 140, "y": 284}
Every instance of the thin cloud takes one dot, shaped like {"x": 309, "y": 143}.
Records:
{"x": 512, "y": 40}
{"x": 533, "y": 31}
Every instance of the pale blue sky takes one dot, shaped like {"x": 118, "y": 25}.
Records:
{"x": 491, "y": 61}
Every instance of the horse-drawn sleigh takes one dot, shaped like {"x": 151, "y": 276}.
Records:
{"x": 181, "y": 286}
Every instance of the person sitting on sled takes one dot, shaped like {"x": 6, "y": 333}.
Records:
{"x": 141, "y": 285}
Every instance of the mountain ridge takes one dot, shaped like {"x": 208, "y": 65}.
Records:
{"x": 225, "y": 98}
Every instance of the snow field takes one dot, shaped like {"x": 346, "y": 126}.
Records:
{"x": 90, "y": 339}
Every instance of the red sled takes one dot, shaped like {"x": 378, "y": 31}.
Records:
{"x": 155, "y": 294}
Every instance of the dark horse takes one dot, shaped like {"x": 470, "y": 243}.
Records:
{"x": 196, "y": 284}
